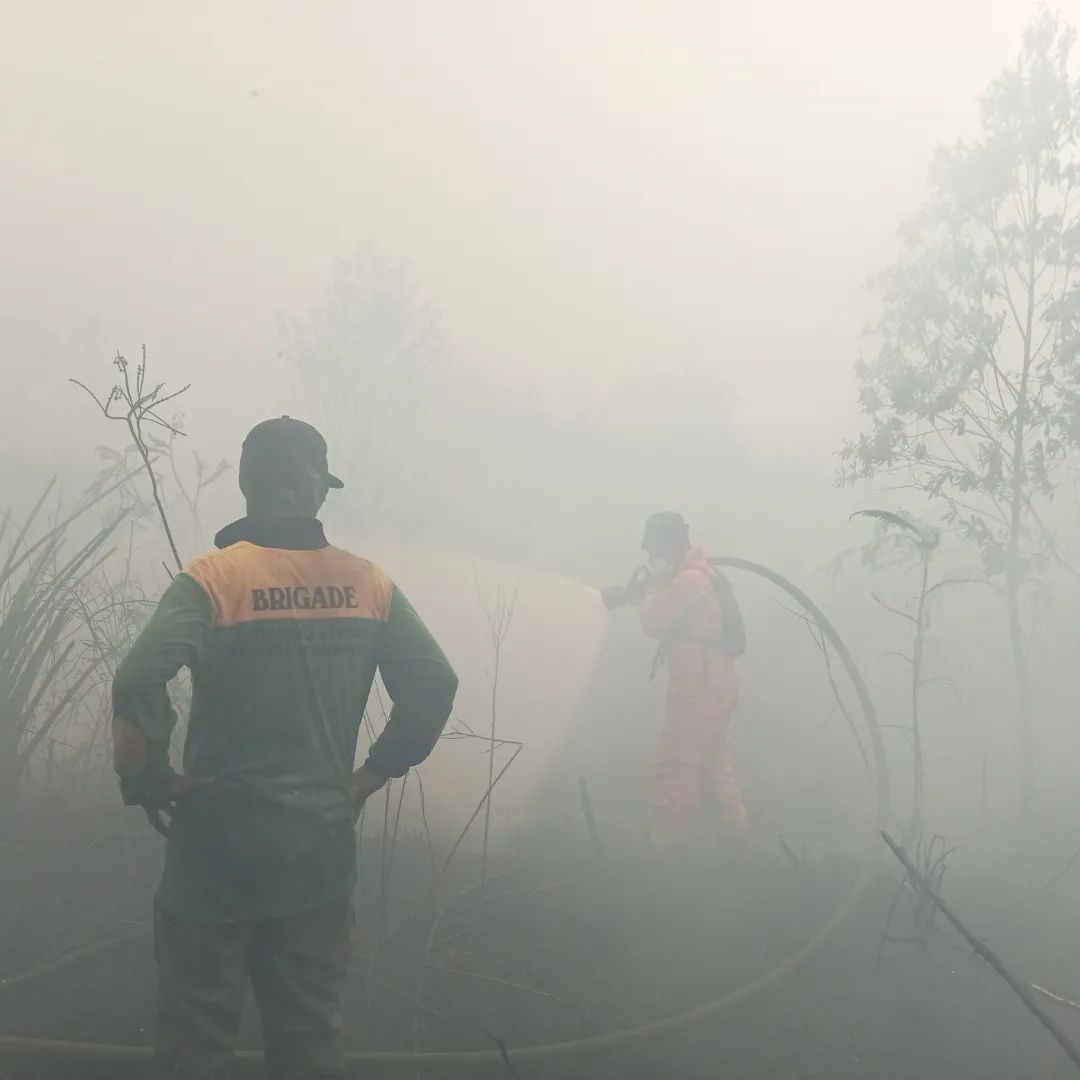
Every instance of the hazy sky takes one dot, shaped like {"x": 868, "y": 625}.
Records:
{"x": 597, "y": 197}
{"x": 585, "y": 191}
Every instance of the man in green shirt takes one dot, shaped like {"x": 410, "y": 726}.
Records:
{"x": 283, "y": 635}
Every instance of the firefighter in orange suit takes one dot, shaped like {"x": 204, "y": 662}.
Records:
{"x": 691, "y": 610}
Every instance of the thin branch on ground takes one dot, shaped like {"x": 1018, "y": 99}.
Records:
{"x": 981, "y": 949}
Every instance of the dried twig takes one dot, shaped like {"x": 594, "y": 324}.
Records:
{"x": 818, "y": 638}
{"x": 480, "y": 977}
{"x": 1061, "y": 874}
{"x": 73, "y": 956}
{"x": 1058, "y": 999}
{"x": 504, "y": 1054}
{"x": 590, "y": 820}
{"x": 499, "y": 616}
{"x": 794, "y": 859}
{"x": 544, "y": 886}
{"x": 424, "y": 819}
{"x": 485, "y": 800}
{"x": 138, "y": 407}
{"x": 388, "y": 860}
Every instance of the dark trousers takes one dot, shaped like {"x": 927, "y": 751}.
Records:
{"x": 296, "y": 966}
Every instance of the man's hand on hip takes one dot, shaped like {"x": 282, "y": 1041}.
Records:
{"x": 362, "y": 784}
{"x": 178, "y": 788}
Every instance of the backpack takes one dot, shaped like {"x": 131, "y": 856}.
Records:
{"x": 734, "y": 642}
{"x": 730, "y": 614}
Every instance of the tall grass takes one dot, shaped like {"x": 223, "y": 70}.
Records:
{"x": 46, "y": 662}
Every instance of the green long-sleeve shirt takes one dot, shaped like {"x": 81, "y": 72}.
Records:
{"x": 283, "y": 635}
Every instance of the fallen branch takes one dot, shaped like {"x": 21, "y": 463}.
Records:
{"x": 981, "y": 949}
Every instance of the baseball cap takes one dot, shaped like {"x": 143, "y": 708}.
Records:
{"x": 279, "y": 445}
{"x": 665, "y": 527}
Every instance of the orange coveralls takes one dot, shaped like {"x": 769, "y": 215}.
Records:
{"x": 694, "y": 767}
